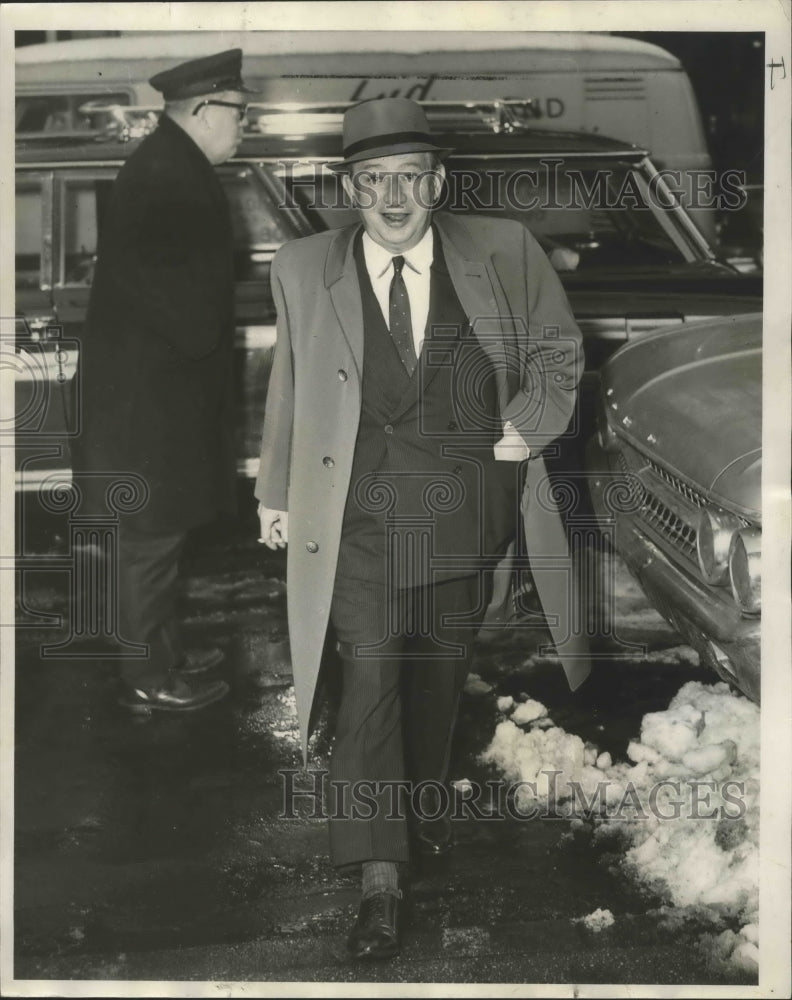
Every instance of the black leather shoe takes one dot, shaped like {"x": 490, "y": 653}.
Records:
{"x": 175, "y": 695}
{"x": 376, "y": 932}
{"x": 434, "y": 837}
{"x": 198, "y": 661}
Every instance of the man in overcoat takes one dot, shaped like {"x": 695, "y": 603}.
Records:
{"x": 156, "y": 369}
{"x": 420, "y": 359}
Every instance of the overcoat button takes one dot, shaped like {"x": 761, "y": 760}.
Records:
{"x": 312, "y": 547}
{"x": 328, "y": 462}
{"x": 388, "y": 428}
{"x": 342, "y": 374}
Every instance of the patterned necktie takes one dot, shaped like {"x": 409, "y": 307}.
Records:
{"x": 400, "y": 322}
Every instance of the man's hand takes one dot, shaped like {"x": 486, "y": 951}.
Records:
{"x": 274, "y": 527}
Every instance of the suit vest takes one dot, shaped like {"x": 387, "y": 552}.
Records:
{"x": 425, "y": 502}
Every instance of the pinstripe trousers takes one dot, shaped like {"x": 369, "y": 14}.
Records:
{"x": 405, "y": 656}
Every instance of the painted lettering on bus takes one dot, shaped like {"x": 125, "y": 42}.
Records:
{"x": 537, "y": 107}
{"x": 416, "y": 92}
{"x": 531, "y": 107}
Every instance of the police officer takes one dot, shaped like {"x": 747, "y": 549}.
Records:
{"x": 156, "y": 367}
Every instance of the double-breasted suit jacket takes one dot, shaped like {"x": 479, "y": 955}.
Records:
{"x": 156, "y": 361}
{"x": 520, "y": 316}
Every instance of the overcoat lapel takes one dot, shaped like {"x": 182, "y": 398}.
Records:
{"x": 341, "y": 280}
{"x": 482, "y": 298}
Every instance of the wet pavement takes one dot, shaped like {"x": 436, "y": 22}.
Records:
{"x": 153, "y": 849}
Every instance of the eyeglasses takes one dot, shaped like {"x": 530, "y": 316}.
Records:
{"x": 241, "y": 109}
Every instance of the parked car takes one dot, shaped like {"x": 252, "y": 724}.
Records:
{"x": 676, "y": 474}
{"x": 630, "y": 257}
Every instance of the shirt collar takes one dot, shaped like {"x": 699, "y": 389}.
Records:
{"x": 418, "y": 259}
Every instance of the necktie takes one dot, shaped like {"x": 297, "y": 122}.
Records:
{"x": 400, "y": 322}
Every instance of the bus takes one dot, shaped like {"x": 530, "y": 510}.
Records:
{"x": 571, "y": 81}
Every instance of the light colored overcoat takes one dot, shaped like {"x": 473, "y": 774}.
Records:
{"x": 522, "y": 319}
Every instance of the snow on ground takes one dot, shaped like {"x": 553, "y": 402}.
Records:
{"x": 598, "y": 920}
{"x": 475, "y": 686}
{"x": 684, "y": 809}
{"x": 528, "y": 711}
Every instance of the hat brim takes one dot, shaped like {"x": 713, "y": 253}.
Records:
{"x": 393, "y": 149}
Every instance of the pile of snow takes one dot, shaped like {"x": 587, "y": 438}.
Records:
{"x": 475, "y": 686}
{"x": 740, "y": 949}
{"x": 528, "y": 711}
{"x": 685, "y": 808}
{"x": 598, "y": 920}
{"x": 463, "y": 786}
{"x": 544, "y": 756}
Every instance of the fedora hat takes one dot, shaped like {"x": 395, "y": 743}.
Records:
{"x": 385, "y": 126}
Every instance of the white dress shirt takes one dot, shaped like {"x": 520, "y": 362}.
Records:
{"x": 417, "y": 281}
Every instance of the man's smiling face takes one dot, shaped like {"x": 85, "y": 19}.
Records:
{"x": 395, "y": 196}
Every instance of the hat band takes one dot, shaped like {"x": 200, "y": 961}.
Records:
{"x": 230, "y": 83}
{"x": 200, "y": 88}
{"x": 389, "y": 139}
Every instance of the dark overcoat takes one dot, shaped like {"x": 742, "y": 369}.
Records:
{"x": 521, "y": 318}
{"x": 155, "y": 364}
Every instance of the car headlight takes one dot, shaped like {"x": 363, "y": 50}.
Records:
{"x": 745, "y": 569}
{"x": 714, "y": 533}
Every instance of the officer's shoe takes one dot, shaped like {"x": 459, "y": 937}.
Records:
{"x": 378, "y": 928}
{"x": 199, "y": 661}
{"x": 174, "y": 695}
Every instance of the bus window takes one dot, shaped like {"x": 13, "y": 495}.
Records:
{"x": 37, "y": 113}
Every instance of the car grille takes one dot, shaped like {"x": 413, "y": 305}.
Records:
{"x": 672, "y": 527}
{"x": 665, "y": 504}
{"x": 679, "y": 485}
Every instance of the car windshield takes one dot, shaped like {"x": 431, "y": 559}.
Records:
{"x": 587, "y": 216}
